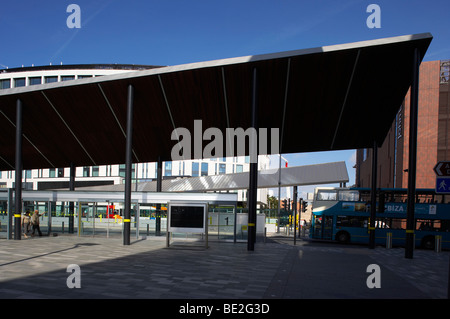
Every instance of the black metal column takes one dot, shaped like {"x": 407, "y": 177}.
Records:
{"x": 18, "y": 184}
{"x": 10, "y": 213}
{"x": 158, "y": 206}
{"x": 373, "y": 196}
{"x": 128, "y": 164}
{"x": 71, "y": 204}
{"x": 253, "y": 182}
{"x": 295, "y": 214}
{"x": 409, "y": 247}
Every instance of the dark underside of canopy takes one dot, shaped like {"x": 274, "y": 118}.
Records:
{"x": 322, "y": 99}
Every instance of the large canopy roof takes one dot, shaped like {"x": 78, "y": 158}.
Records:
{"x": 327, "y": 98}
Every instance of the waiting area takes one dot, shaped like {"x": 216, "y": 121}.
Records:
{"x": 100, "y": 214}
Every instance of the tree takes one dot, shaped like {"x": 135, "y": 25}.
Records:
{"x": 272, "y": 201}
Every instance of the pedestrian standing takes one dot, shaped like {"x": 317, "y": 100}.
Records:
{"x": 26, "y": 219}
{"x": 35, "y": 222}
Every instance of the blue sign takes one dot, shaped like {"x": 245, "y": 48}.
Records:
{"x": 443, "y": 185}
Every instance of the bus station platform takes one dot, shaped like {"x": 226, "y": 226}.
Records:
{"x": 277, "y": 269}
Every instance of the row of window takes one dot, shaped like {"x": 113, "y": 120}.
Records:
{"x": 393, "y": 223}
{"x": 201, "y": 169}
{"x": 35, "y": 80}
{"x": 94, "y": 171}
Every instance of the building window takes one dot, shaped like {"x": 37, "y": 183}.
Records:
{"x": 60, "y": 172}
{"x": 19, "y": 82}
{"x": 84, "y": 76}
{"x": 5, "y": 84}
{"x": 123, "y": 172}
{"x": 95, "y": 171}
{"x": 51, "y": 79}
{"x": 222, "y": 168}
{"x": 51, "y": 172}
{"x": 364, "y": 154}
{"x": 204, "y": 169}
{"x": 239, "y": 168}
{"x": 445, "y": 71}
{"x": 86, "y": 171}
{"x": 27, "y": 186}
{"x": 27, "y": 173}
{"x": 34, "y": 80}
{"x": 167, "y": 168}
{"x": 195, "y": 169}
{"x": 67, "y": 77}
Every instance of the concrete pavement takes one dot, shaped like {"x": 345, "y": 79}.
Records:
{"x": 276, "y": 269}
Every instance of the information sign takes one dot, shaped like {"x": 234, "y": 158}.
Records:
{"x": 443, "y": 185}
{"x": 187, "y": 217}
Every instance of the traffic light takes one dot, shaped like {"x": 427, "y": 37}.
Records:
{"x": 285, "y": 204}
{"x": 305, "y": 204}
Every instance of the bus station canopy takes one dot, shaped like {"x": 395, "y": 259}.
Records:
{"x": 326, "y": 98}
{"x": 325, "y": 173}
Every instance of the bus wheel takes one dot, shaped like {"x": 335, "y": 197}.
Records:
{"x": 343, "y": 237}
{"x": 428, "y": 242}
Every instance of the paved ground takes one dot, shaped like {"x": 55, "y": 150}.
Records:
{"x": 276, "y": 269}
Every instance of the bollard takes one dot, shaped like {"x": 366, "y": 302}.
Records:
{"x": 148, "y": 229}
{"x": 388, "y": 240}
{"x": 438, "y": 243}
{"x": 265, "y": 233}
{"x": 62, "y": 227}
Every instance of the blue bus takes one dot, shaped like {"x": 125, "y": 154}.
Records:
{"x": 343, "y": 215}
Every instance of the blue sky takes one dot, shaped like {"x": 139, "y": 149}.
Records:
{"x": 172, "y": 32}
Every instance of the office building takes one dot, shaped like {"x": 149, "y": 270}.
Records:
{"x": 433, "y": 135}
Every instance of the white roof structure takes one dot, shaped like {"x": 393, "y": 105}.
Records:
{"x": 327, "y": 173}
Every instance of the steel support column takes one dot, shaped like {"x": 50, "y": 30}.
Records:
{"x": 71, "y": 204}
{"x": 128, "y": 164}
{"x": 158, "y": 205}
{"x": 373, "y": 196}
{"x": 414, "y": 105}
{"x": 18, "y": 167}
{"x": 253, "y": 181}
{"x": 10, "y": 213}
{"x": 294, "y": 203}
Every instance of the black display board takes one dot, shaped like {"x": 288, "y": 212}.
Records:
{"x": 188, "y": 218}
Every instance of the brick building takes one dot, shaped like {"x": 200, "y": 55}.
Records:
{"x": 433, "y": 135}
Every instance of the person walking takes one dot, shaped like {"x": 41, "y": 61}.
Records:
{"x": 35, "y": 222}
{"x": 26, "y": 219}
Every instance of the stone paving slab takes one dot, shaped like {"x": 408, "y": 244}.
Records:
{"x": 37, "y": 268}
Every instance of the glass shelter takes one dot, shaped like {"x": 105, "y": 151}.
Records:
{"x": 101, "y": 213}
